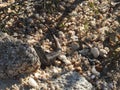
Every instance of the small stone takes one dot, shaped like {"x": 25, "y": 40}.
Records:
{"x": 74, "y": 13}
{"x": 74, "y": 46}
{"x": 15, "y": 34}
{"x": 93, "y": 76}
{"x": 58, "y": 63}
{"x": 56, "y": 70}
{"x": 103, "y": 52}
{"x": 94, "y": 71}
{"x": 61, "y": 8}
{"x": 111, "y": 85}
{"x": 95, "y": 52}
{"x": 32, "y": 83}
{"x": 73, "y": 19}
{"x": 64, "y": 59}
{"x": 61, "y": 34}
{"x": 78, "y": 69}
{"x": 107, "y": 49}
{"x": 71, "y": 67}
{"x": 77, "y": 63}
{"x": 11, "y": 1}
{"x": 52, "y": 87}
{"x": 37, "y": 75}
{"x": 74, "y": 38}
{"x": 101, "y": 37}
{"x": 37, "y": 16}
{"x": 30, "y": 20}
{"x": 71, "y": 33}
{"x": 93, "y": 23}
{"x": 84, "y": 51}
{"x": 15, "y": 87}
{"x": 57, "y": 87}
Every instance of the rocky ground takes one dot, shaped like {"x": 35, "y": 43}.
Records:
{"x": 89, "y": 34}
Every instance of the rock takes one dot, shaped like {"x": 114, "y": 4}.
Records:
{"x": 84, "y": 51}
{"x": 94, "y": 71}
{"x": 103, "y": 53}
{"x": 71, "y": 33}
{"x": 61, "y": 8}
{"x": 61, "y": 34}
{"x": 74, "y": 38}
{"x": 64, "y": 59}
{"x": 32, "y": 83}
{"x": 93, "y": 76}
{"x": 93, "y": 23}
{"x": 74, "y": 46}
{"x": 37, "y": 15}
{"x": 72, "y": 81}
{"x": 95, "y": 52}
{"x": 16, "y": 57}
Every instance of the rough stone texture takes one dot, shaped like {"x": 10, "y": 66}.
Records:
{"x": 95, "y": 52}
{"x": 72, "y": 81}
{"x": 16, "y": 57}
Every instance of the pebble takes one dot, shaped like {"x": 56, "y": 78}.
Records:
{"x": 111, "y": 85}
{"x": 37, "y": 75}
{"x": 71, "y": 33}
{"x": 32, "y": 83}
{"x": 93, "y": 23}
{"x": 95, "y": 52}
{"x": 74, "y": 46}
{"x": 73, "y": 19}
{"x": 107, "y": 49}
{"x": 93, "y": 76}
{"x": 79, "y": 69}
{"x": 61, "y": 34}
{"x": 37, "y": 16}
{"x": 64, "y": 59}
{"x": 103, "y": 53}
{"x": 56, "y": 70}
{"x": 30, "y": 20}
{"x": 94, "y": 71}
{"x": 58, "y": 63}
{"x": 15, "y": 34}
{"x": 101, "y": 37}
{"x": 77, "y": 63}
{"x": 61, "y": 8}
{"x": 84, "y": 51}
{"x": 74, "y": 38}
{"x": 70, "y": 67}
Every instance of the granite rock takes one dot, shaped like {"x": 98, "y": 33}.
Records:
{"x": 72, "y": 81}
{"x": 16, "y": 57}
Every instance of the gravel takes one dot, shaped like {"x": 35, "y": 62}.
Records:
{"x": 88, "y": 32}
